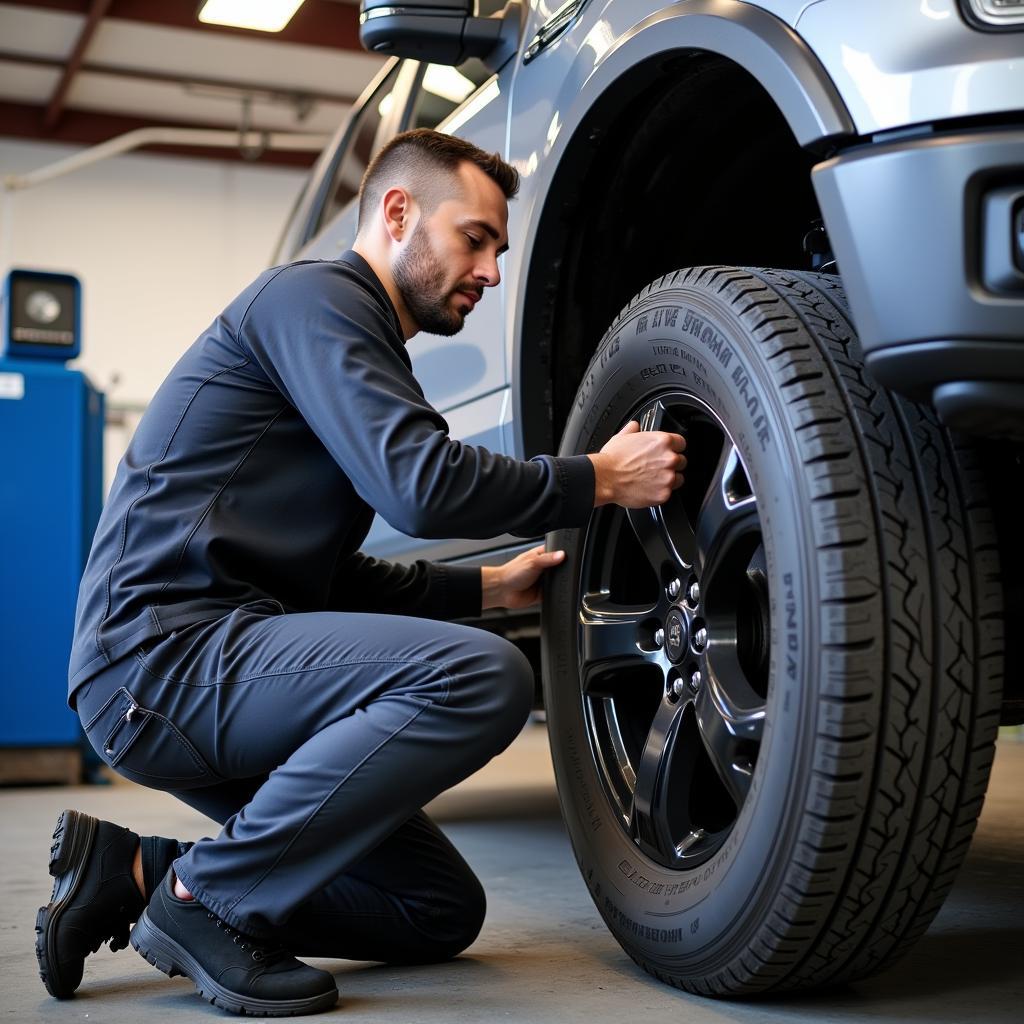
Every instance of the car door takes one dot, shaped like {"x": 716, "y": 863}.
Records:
{"x": 463, "y": 376}
{"x": 331, "y": 218}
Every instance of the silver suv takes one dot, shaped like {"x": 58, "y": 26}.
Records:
{"x": 792, "y": 230}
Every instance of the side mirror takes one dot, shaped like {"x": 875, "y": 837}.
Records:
{"x": 439, "y": 31}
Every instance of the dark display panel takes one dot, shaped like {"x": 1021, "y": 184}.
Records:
{"x": 42, "y": 311}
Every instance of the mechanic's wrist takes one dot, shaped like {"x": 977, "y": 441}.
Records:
{"x": 603, "y": 492}
{"x": 492, "y": 587}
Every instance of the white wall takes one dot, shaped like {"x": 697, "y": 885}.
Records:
{"x": 160, "y": 243}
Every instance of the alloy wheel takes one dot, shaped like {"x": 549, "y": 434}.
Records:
{"x": 673, "y": 644}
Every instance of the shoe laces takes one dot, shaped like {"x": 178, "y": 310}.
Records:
{"x": 266, "y": 952}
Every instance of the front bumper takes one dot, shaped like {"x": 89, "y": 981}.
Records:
{"x": 926, "y": 232}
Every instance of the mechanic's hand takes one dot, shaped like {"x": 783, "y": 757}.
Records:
{"x": 516, "y": 584}
{"x": 638, "y": 468}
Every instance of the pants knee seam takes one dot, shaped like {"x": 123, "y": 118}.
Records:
{"x": 344, "y": 663}
{"x": 277, "y": 860}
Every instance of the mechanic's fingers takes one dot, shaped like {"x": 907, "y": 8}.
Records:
{"x": 676, "y": 441}
{"x": 549, "y": 556}
{"x": 631, "y": 427}
{"x": 678, "y": 481}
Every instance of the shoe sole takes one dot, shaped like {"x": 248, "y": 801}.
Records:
{"x": 72, "y": 840}
{"x": 173, "y": 959}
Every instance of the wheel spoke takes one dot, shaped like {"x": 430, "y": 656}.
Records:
{"x": 656, "y": 416}
{"x": 649, "y": 821}
{"x": 661, "y": 547}
{"x": 619, "y": 752}
{"x": 729, "y": 510}
{"x": 612, "y": 637}
{"x": 664, "y": 532}
{"x": 731, "y": 732}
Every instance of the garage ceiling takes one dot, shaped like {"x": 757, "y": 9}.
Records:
{"x": 84, "y": 71}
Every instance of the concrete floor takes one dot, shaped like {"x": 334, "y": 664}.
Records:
{"x": 544, "y": 954}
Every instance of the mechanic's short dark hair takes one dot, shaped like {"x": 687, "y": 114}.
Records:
{"x": 423, "y": 161}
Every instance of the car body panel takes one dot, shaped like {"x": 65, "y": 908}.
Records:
{"x": 587, "y": 69}
{"x": 834, "y": 76}
{"x": 927, "y": 65}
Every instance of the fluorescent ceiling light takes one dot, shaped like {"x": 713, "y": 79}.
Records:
{"x": 261, "y": 15}
{"x": 447, "y": 82}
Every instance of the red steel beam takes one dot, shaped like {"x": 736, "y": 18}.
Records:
{"x": 316, "y": 23}
{"x": 74, "y": 62}
{"x": 149, "y": 75}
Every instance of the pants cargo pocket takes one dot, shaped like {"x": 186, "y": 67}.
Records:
{"x": 145, "y": 746}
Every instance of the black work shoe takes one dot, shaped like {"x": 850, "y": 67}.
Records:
{"x": 230, "y": 969}
{"x": 94, "y": 898}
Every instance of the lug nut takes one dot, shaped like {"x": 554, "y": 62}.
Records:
{"x": 700, "y": 639}
{"x": 659, "y": 637}
{"x": 695, "y": 681}
{"x": 694, "y": 593}
{"x": 673, "y": 589}
{"x": 677, "y": 688}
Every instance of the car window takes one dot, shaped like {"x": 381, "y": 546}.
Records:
{"x": 441, "y": 88}
{"x": 287, "y": 243}
{"x": 362, "y": 144}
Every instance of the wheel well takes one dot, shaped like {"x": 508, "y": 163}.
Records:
{"x": 688, "y": 162}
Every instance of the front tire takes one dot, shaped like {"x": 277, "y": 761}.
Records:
{"x": 776, "y": 790}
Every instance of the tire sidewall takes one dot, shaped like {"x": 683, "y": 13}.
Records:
{"x": 685, "y": 339}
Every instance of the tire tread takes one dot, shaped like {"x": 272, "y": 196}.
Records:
{"x": 907, "y": 565}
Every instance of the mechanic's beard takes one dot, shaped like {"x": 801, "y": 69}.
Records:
{"x": 420, "y": 278}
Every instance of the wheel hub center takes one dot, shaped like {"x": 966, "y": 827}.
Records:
{"x": 675, "y": 635}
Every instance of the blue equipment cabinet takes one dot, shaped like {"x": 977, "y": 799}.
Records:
{"x": 51, "y": 491}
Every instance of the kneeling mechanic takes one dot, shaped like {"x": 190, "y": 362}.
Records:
{"x": 235, "y": 648}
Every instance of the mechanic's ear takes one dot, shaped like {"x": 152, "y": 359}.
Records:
{"x": 397, "y": 209}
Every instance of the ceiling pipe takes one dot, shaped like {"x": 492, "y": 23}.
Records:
{"x": 247, "y": 141}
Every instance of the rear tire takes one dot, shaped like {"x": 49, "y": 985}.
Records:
{"x": 782, "y": 801}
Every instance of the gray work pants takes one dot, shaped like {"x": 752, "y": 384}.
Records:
{"x": 316, "y": 739}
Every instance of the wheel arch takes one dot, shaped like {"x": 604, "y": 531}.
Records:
{"x": 763, "y": 65}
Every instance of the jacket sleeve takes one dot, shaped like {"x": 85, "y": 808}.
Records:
{"x": 430, "y": 590}
{"x": 328, "y": 345}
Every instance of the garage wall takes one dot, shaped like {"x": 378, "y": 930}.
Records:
{"x": 161, "y": 244}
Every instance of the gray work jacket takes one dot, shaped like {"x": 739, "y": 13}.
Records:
{"x": 255, "y": 472}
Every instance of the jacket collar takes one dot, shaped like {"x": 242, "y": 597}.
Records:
{"x": 365, "y": 271}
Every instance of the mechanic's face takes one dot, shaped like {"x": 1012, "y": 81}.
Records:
{"x": 453, "y": 254}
